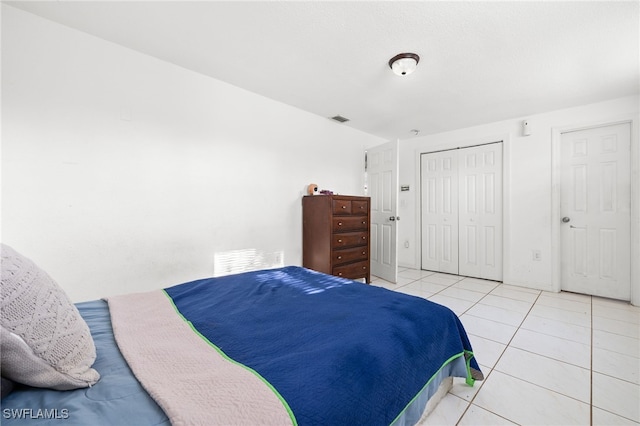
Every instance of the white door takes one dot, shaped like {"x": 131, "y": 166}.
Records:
{"x": 461, "y": 204}
{"x": 595, "y": 208}
{"x": 480, "y": 211}
{"x": 439, "y": 191}
{"x": 382, "y": 176}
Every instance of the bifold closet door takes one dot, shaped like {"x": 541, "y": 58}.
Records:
{"x": 462, "y": 211}
{"x": 480, "y": 211}
{"x": 439, "y": 173}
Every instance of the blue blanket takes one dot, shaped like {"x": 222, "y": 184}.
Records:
{"x": 348, "y": 352}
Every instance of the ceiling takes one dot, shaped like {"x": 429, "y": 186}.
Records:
{"x": 480, "y": 61}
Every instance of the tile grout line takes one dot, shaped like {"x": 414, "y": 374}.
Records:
{"x": 591, "y": 302}
{"x": 568, "y": 396}
{"x": 591, "y": 349}
{"x": 500, "y": 357}
{"x": 538, "y": 296}
{"x": 488, "y": 374}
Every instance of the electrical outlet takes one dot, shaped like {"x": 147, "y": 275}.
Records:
{"x": 537, "y": 255}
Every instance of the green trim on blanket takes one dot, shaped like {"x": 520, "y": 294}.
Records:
{"x": 470, "y": 381}
{"x": 468, "y": 355}
{"x": 225, "y": 356}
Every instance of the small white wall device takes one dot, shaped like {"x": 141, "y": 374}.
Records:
{"x": 526, "y": 129}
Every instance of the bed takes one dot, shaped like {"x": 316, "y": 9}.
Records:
{"x": 278, "y": 346}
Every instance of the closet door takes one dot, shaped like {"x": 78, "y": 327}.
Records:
{"x": 462, "y": 211}
{"x": 439, "y": 193}
{"x": 480, "y": 211}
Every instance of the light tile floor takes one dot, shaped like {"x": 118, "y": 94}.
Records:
{"x": 548, "y": 358}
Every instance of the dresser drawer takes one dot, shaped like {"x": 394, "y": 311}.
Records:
{"x": 352, "y": 270}
{"x": 349, "y": 223}
{"x": 360, "y": 207}
{"x": 341, "y": 206}
{"x": 349, "y": 255}
{"x": 350, "y": 239}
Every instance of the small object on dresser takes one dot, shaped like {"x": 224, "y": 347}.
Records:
{"x": 326, "y": 192}
{"x": 312, "y": 189}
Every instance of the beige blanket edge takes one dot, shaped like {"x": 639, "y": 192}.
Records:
{"x": 189, "y": 379}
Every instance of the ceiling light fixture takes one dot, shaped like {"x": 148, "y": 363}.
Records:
{"x": 404, "y": 63}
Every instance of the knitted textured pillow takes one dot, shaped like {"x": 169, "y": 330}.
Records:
{"x": 45, "y": 341}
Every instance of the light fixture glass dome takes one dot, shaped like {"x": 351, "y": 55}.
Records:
{"x": 404, "y": 63}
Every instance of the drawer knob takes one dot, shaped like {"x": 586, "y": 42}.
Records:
{"x": 364, "y": 223}
{"x": 344, "y": 207}
{"x": 340, "y": 274}
{"x": 364, "y": 252}
{"x": 364, "y": 238}
{"x": 339, "y": 257}
{"x": 364, "y": 267}
{"x": 341, "y": 240}
{"x": 339, "y": 223}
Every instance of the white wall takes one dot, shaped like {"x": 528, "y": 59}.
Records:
{"x": 528, "y": 195}
{"x": 124, "y": 173}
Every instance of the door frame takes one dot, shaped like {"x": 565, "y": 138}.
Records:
{"x": 556, "y": 181}
{"x": 505, "y": 138}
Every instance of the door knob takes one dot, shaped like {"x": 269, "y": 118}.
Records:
{"x": 566, "y": 219}
{"x": 392, "y": 218}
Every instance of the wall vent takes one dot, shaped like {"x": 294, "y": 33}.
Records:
{"x": 339, "y": 119}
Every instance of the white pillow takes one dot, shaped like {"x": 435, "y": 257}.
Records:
{"x": 45, "y": 341}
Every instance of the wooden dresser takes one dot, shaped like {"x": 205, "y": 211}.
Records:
{"x": 335, "y": 235}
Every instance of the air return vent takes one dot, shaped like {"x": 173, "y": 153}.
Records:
{"x": 340, "y": 119}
